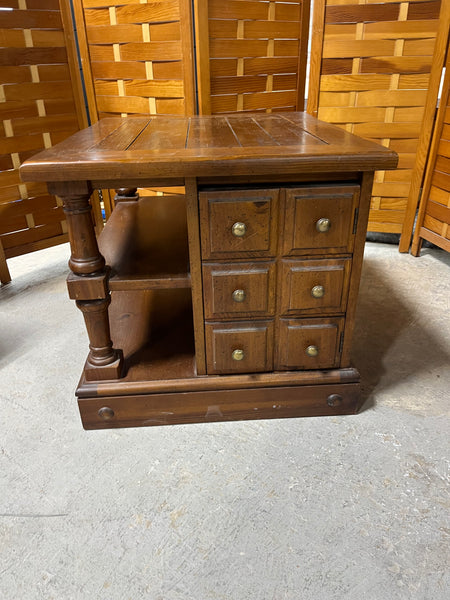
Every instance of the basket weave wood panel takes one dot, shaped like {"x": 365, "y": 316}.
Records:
{"x": 40, "y": 105}
{"x": 137, "y": 56}
{"x": 251, "y": 55}
{"x": 433, "y": 222}
{"x": 371, "y": 77}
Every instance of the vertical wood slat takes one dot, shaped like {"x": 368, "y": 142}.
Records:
{"x": 433, "y": 220}
{"x": 251, "y": 56}
{"x": 41, "y": 103}
{"x": 439, "y": 59}
{"x": 370, "y": 71}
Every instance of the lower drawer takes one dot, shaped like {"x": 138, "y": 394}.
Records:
{"x": 244, "y": 347}
{"x": 309, "y": 343}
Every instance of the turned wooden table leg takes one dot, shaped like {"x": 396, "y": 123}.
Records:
{"x": 88, "y": 283}
{"x": 126, "y": 195}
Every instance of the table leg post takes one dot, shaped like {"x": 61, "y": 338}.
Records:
{"x": 126, "y": 195}
{"x": 103, "y": 362}
{"x": 89, "y": 282}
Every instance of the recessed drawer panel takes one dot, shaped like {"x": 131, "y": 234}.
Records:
{"x": 239, "y": 290}
{"x": 308, "y": 343}
{"x": 243, "y": 347}
{"x": 314, "y": 286}
{"x": 320, "y": 219}
{"x": 238, "y": 224}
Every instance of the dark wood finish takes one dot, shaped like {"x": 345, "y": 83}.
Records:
{"x": 145, "y": 244}
{"x": 103, "y": 362}
{"x": 306, "y": 206}
{"x": 219, "y": 405}
{"x": 256, "y": 210}
{"x": 295, "y": 336}
{"x": 299, "y": 280}
{"x": 253, "y": 340}
{"x": 213, "y": 320}
{"x": 94, "y": 287}
{"x": 233, "y": 290}
{"x": 80, "y": 159}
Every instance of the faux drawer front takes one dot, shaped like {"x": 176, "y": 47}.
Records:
{"x": 239, "y": 290}
{"x": 314, "y": 286}
{"x": 308, "y": 343}
{"x": 320, "y": 219}
{"x": 245, "y": 347}
{"x": 238, "y": 223}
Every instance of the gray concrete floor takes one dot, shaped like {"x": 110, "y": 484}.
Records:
{"x": 320, "y": 508}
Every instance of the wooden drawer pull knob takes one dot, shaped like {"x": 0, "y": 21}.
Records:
{"x": 106, "y": 413}
{"x": 239, "y": 229}
{"x": 334, "y": 400}
{"x": 239, "y": 295}
{"x": 323, "y": 225}
{"x": 312, "y": 351}
{"x": 318, "y": 291}
{"x": 238, "y": 354}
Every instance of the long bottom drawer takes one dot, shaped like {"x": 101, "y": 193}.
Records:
{"x": 219, "y": 405}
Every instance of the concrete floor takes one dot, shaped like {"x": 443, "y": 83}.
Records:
{"x": 338, "y": 508}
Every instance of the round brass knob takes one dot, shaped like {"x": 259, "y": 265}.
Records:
{"x": 239, "y": 229}
{"x": 323, "y": 225}
{"x": 239, "y": 295}
{"x": 312, "y": 351}
{"x": 318, "y": 291}
{"x": 334, "y": 400}
{"x": 106, "y": 413}
{"x": 238, "y": 354}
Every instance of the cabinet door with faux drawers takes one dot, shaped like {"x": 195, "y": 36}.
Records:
{"x": 314, "y": 286}
{"x": 243, "y": 347}
{"x": 308, "y": 343}
{"x": 239, "y": 224}
{"x": 233, "y": 290}
{"x": 320, "y": 219}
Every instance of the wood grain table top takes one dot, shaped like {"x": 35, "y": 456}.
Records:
{"x": 206, "y": 146}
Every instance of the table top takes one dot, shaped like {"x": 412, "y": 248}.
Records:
{"x": 206, "y": 146}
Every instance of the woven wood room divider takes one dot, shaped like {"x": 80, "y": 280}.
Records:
{"x": 40, "y": 105}
{"x": 433, "y": 221}
{"x": 370, "y": 72}
{"x": 137, "y": 58}
{"x": 251, "y": 56}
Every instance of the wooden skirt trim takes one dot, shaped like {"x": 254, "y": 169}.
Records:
{"x": 219, "y": 405}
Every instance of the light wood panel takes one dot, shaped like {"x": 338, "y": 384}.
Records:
{"x": 371, "y": 64}
{"x": 251, "y": 55}
{"x": 433, "y": 221}
{"x": 137, "y": 60}
{"x": 41, "y": 104}
{"x": 137, "y": 56}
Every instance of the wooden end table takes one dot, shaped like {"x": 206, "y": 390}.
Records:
{"x": 234, "y": 301}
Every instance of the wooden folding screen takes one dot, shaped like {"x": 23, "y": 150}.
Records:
{"x": 370, "y": 69}
{"x": 137, "y": 56}
{"x": 40, "y": 105}
{"x": 433, "y": 221}
{"x": 251, "y": 55}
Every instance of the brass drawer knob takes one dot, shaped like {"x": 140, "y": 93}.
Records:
{"x": 238, "y": 354}
{"x": 239, "y": 295}
{"x": 239, "y": 229}
{"x": 323, "y": 225}
{"x": 312, "y": 351}
{"x": 106, "y": 413}
{"x": 318, "y": 291}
